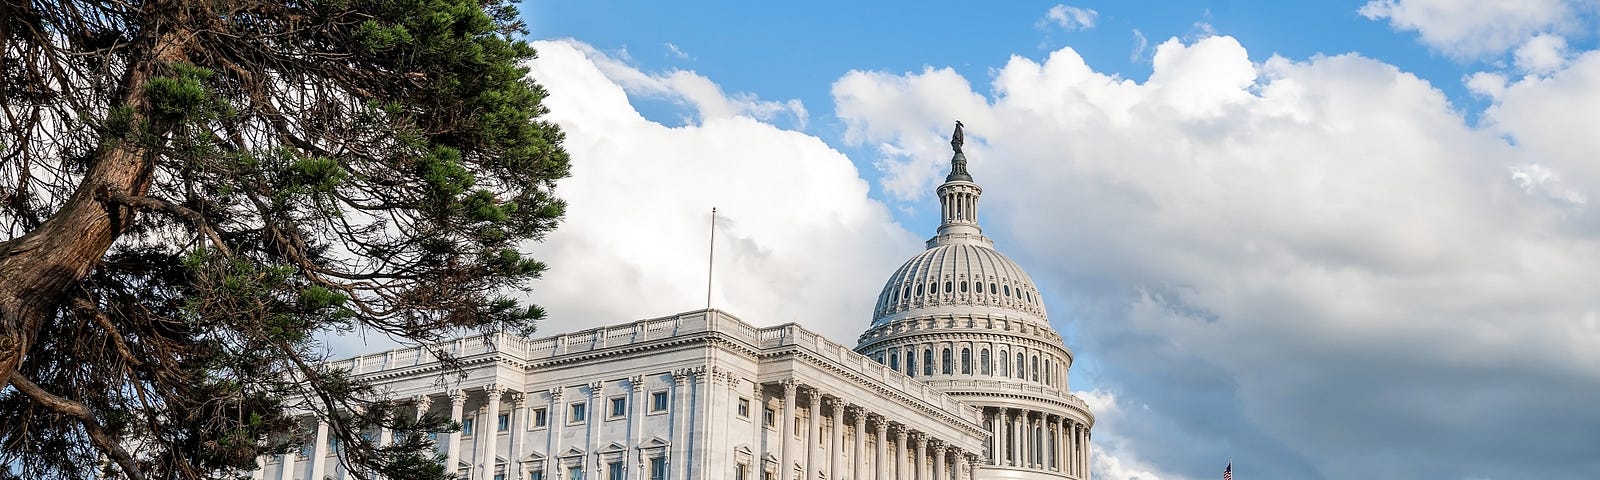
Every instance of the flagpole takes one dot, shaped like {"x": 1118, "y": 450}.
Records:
{"x": 711, "y": 256}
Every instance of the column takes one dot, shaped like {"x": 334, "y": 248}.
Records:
{"x": 1087, "y": 472}
{"x": 287, "y": 471}
{"x": 519, "y": 424}
{"x": 836, "y": 458}
{"x": 996, "y": 439}
{"x": 921, "y": 458}
{"x": 1033, "y": 440}
{"x": 422, "y": 404}
{"x": 901, "y": 472}
{"x": 636, "y": 411}
{"x": 860, "y": 450}
{"x": 261, "y": 468}
{"x": 319, "y": 452}
{"x": 679, "y": 461}
{"x": 758, "y": 435}
{"x": 938, "y": 462}
{"x": 813, "y": 437}
{"x": 555, "y": 417}
{"x": 490, "y": 433}
{"x": 1012, "y": 440}
{"x": 883, "y": 450}
{"x": 596, "y": 415}
{"x": 1077, "y": 446}
{"x": 786, "y": 430}
{"x": 458, "y": 399}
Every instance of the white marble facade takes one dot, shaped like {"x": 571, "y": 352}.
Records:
{"x": 958, "y": 377}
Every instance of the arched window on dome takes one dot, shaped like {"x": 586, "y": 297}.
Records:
{"x": 1005, "y": 369}
{"x": 948, "y": 363}
{"x": 894, "y": 361}
{"x": 1035, "y": 368}
{"x": 927, "y": 362}
{"x": 1046, "y": 371}
{"x": 911, "y": 363}
{"x": 983, "y": 362}
{"x": 1022, "y": 366}
{"x": 966, "y": 361}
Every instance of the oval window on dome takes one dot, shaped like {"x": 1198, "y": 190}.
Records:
{"x": 963, "y": 286}
{"x": 993, "y": 290}
{"x": 948, "y": 286}
{"x": 1006, "y": 289}
{"x": 919, "y": 289}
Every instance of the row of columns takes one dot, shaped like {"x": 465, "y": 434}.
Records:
{"x": 1039, "y": 440}
{"x": 907, "y": 457}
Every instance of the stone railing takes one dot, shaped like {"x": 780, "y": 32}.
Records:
{"x": 1020, "y": 388}
{"x": 658, "y": 328}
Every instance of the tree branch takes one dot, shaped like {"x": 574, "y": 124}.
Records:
{"x": 97, "y": 434}
{"x": 163, "y": 206}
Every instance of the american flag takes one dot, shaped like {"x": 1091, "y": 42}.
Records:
{"x": 1227, "y": 473}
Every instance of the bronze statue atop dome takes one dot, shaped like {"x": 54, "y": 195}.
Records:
{"x": 958, "y": 162}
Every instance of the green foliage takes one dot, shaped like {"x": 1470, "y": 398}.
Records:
{"x": 325, "y": 166}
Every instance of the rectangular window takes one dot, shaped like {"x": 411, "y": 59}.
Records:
{"x": 577, "y": 413}
{"x": 619, "y": 407}
{"x": 744, "y": 407}
{"x": 741, "y": 472}
{"x": 574, "y": 473}
{"x": 766, "y": 475}
{"x": 503, "y": 423}
{"x": 770, "y": 417}
{"x": 499, "y": 476}
{"x": 614, "y": 471}
{"x": 536, "y": 475}
{"x": 658, "y": 468}
{"x": 539, "y": 419}
{"x": 658, "y": 402}
{"x": 466, "y": 426}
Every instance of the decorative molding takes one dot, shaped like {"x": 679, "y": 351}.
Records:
{"x": 458, "y": 398}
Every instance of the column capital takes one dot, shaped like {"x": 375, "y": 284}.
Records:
{"x": 458, "y": 398}
{"x": 816, "y": 398}
{"x": 422, "y": 402}
{"x": 883, "y": 426}
{"x": 494, "y": 391}
{"x": 835, "y": 405}
{"x": 680, "y": 376}
{"x": 555, "y": 393}
{"x": 636, "y": 383}
{"x": 922, "y": 440}
{"x": 517, "y": 399}
{"x": 596, "y": 387}
{"x": 790, "y": 385}
{"x": 902, "y": 433}
{"x": 936, "y": 444}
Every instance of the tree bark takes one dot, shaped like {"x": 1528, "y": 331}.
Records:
{"x": 38, "y": 269}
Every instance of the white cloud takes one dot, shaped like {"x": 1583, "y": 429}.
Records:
{"x": 677, "y": 52}
{"x": 1140, "y": 45}
{"x": 686, "y": 86}
{"x": 1543, "y": 53}
{"x": 1069, "y": 18}
{"x": 799, "y": 239}
{"x": 1240, "y": 244}
{"x": 1470, "y": 29}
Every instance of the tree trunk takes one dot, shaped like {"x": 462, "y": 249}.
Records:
{"x": 38, "y": 269}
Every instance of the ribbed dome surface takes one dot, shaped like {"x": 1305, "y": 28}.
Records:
{"x": 963, "y": 275}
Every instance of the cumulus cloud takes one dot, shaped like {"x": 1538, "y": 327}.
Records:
{"x": 1316, "y": 264}
{"x": 1069, "y": 18}
{"x": 1469, "y": 29}
{"x": 798, "y": 238}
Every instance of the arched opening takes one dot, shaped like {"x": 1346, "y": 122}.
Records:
{"x": 1005, "y": 369}
{"x": 983, "y": 362}
{"x": 966, "y": 361}
{"x": 947, "y": 363}
{"x": 927, "y": 362}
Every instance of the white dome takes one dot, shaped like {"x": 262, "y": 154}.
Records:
{"x": 966, "y": 277}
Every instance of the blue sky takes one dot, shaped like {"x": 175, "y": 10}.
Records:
{"x": 1327, "y": 239}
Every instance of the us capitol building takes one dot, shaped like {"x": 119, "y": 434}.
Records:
{"x": 958, "y": 377}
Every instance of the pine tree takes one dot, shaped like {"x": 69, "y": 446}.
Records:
{"x": 193, "y": 191}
